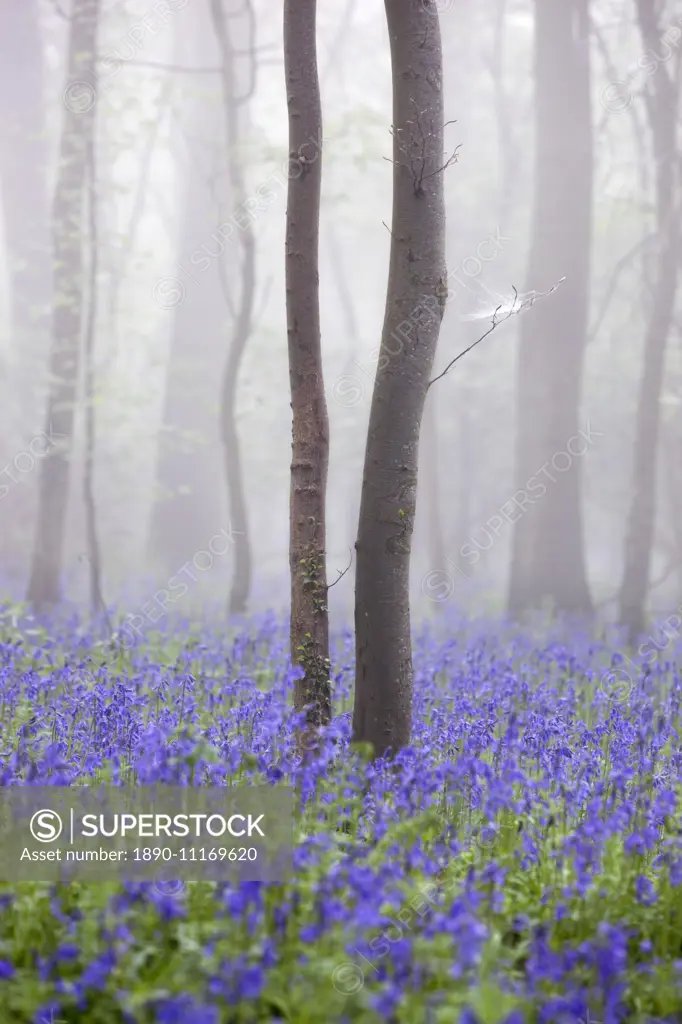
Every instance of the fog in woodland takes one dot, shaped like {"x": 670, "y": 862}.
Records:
{"x": 146, "y": 412}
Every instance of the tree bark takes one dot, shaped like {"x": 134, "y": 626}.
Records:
{"x": 662, "y": 104}
{"x": 80, "y": 100}
{"x": 243, "y": 314}
{"x": 415, "y": 302}
{"x": 548, "y": 557}
{"x": 310, "y": 429}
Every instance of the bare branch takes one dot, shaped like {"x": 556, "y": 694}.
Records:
{"x": 513, "y": 310}
{"x": 341, "y": 574}
{"x": 451, "y": 160}
{"x": 494, "y": 323}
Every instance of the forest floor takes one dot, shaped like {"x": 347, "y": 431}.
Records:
{"x": 521, "y": 861}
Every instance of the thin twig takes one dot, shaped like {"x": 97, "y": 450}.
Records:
{"x": 526, "y": 304}
{"x": 341, "y": 574}
{"x": 494, "y": 323}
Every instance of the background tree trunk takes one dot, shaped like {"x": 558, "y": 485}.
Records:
{"x": 415, "y": 302}
{"x": 310, "y": 431}
{"x": 548, "y": 557}
{"x": 80, "y": 100}
{"x": 189, "y": 504}
{"x": 26, "y": 218}
{"x": 234, "y": 101}
{"x": 662, "y": 101}
{"x": 95, "y": 569}
{"x": 24, "y": 190}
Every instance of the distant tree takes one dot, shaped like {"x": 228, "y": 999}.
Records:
{"x": 548, "y": 556}
{"x": 310, "y": 429}
{"x": 508, "y": 155}
{"x": 24, "y": 188}
{"x": 94, "y": 558}
{"x": 68, "y": 231}
{"x": 189, "y": 504}
{"x": 662, "y": 101}
{"x": 238, "y": 89}
{"x": 415, "y": 302}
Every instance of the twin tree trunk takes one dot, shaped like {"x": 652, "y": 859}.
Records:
{"x": 662, "y": 108}
{"x": 310, "y": 428}
{"x": 67, "y": 239}
{"x": 548, "y": 557}
{"x": 416, "y": 287}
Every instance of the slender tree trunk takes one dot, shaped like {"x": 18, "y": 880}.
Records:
{"x": 310, "y": 430}
{"x": 189, "y": 504}
{"x": 80, "y": 98}
{"x": 416, "y": 286}
{"x": 662, "y": 100}
{"x": 94, "y": 552}
{"x": 507, "y": 147}
{"x": 548, "y": 557}
{"x": 24, "y": 191}
{"x": 243, "y": 314}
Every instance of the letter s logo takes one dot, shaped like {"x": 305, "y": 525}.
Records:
{"x": 46, "y": 826}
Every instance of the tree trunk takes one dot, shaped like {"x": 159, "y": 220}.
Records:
{"x": 548, "y": 557}
{"x": 508, "y": 157}
{"x": 24, "y": 188}
{"x": 243, "y": 314}
{"x": 415, "y": 302}
{"x": 662, "y": 108}
{"x": 310, "y": 430}
{"x": 189, "y": 505}
{"x": 80, "y": 99}
{"x": 89, "y": 395}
